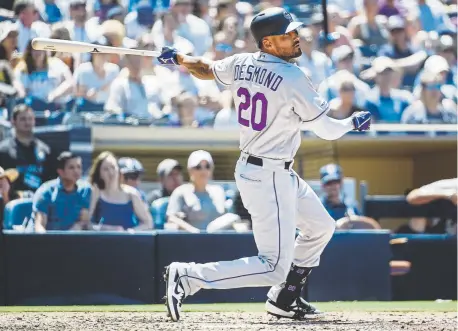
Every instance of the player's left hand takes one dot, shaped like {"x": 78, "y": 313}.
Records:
{"x": 168, "y": 56}
{"x": 362, "y": 121}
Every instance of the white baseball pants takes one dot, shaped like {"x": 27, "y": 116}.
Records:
{"x": 278, "y": 201}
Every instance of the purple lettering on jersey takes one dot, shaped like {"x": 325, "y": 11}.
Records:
{"x": 253, "y": 102}
{"x": 263, "y": 121}
{"x": 243, "y": 92}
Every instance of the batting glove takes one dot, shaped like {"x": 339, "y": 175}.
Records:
{"x": 168, "y": 56}
{"x": 362, "y": 121}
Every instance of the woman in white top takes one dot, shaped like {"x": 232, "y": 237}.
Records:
{"x": 93, "y": 79}
{"x": 46, "y": 79}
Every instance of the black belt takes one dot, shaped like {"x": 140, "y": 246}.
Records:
{"x": 258, "y": 161}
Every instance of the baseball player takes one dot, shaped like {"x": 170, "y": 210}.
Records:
{"x": 275, "y": 101}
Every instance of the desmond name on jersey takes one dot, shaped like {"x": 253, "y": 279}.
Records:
{"x": 258, "y": 76}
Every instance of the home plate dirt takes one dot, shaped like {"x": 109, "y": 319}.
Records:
{"x": 131, "y": 321}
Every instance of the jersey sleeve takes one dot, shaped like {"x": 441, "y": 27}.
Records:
{"x": 224, "y": 70}
{"x": 307, "y": 103}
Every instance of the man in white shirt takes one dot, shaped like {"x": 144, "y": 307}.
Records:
{"x": 78, "y": 28}
{"x": 25, "y": 12}
{"x": 193, "y": 28}
{"x": 343, "y": 58}
{"x": 135, "y": 94}
{"x": 316, "y": 62}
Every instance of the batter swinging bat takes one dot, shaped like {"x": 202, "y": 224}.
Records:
{"x": 68, "y": 46}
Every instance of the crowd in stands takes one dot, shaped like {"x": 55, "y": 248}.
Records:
{"x": 110, "y": 196}
{"x": 396, "y": 59}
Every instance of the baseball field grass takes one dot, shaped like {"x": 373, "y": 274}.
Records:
{"x": 380, "y": 316}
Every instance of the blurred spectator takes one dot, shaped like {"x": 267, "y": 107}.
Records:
{"x": 185, "y": 115}
{"x": 59, "y": 31}
{"x": 435, "y": 65}
{"x": 77, "y": 27}
{"x": 445, "y": 189}
{"x": 429, "y": 108}
{"x": 133, "y": 94}
{"x": 8, "y": 39}
{"x": 369, "y": 27}
{"x": 26, "y": 14}
{"x": 416, "y": 225}
{"x": 140, "y": 20}
{"x": 227, "y": 118}
{"x": 441, "y": 189}
{"x": 50, "y": 11}
{"x": 132, "y": 170}
{"x": 317, "y": 63}
{"x": 198, "y": 205}
{"x": 102, "y": 8}
{"x": 170, "y": 36}
{"x": 191, "y": 27}
{"x": 46, "y": 79}
{"x": 340, "y": 34}
{"x": 390, "y": 8}
{"x": 170, "y": 174}
{"x": 447, "y": 50}
{"x": 343, "y": 57}
{"x": 333, "y": 198}
{"x": 345, "y": 104}
{"x": 223, "y": 10}
{"x": 93, "y": 79}
{"x": 432, "y": 15}
{"x": 8, "y": 44}
{"x": 399, "y": 48}
{"x": 7, "y": 194}
{"x": 115, "y": 206}
{"x": 115, "y": 34}
{"x": 28, "y": 155}
{"x": 385, "y": 103}
{"x": 63, "y": 203}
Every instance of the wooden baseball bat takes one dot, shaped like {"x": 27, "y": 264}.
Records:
{"x": 68, "y": 46}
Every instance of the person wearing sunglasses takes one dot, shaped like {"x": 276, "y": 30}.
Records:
{"x": 430, "y": 108}
{"x": 132, "y": 170}
{"x": 199, "y": 206}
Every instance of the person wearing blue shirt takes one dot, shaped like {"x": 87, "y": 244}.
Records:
{"x": 63, "y": 203}
{"x": 333, "y": 198}
{"x": 385, "y": 103}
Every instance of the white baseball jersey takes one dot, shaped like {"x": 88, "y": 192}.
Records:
{"x": 274, "y": 98}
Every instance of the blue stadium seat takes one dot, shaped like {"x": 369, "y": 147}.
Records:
{"x": 16, "y": 211}
{"x": 158, "y": 211}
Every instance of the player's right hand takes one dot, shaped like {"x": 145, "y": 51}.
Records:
{"x": 362, "y": 121}
{"x": 168, "y": 56}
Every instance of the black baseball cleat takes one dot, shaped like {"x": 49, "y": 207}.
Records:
{"x": 300, "y": 310}
{"x": 174, "y": 290}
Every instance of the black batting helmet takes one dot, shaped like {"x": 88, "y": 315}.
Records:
{"x": 272, "y": 22}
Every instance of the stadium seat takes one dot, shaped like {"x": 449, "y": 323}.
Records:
{"x": 158, "y": 210}
{"x": 16, "y": 212}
